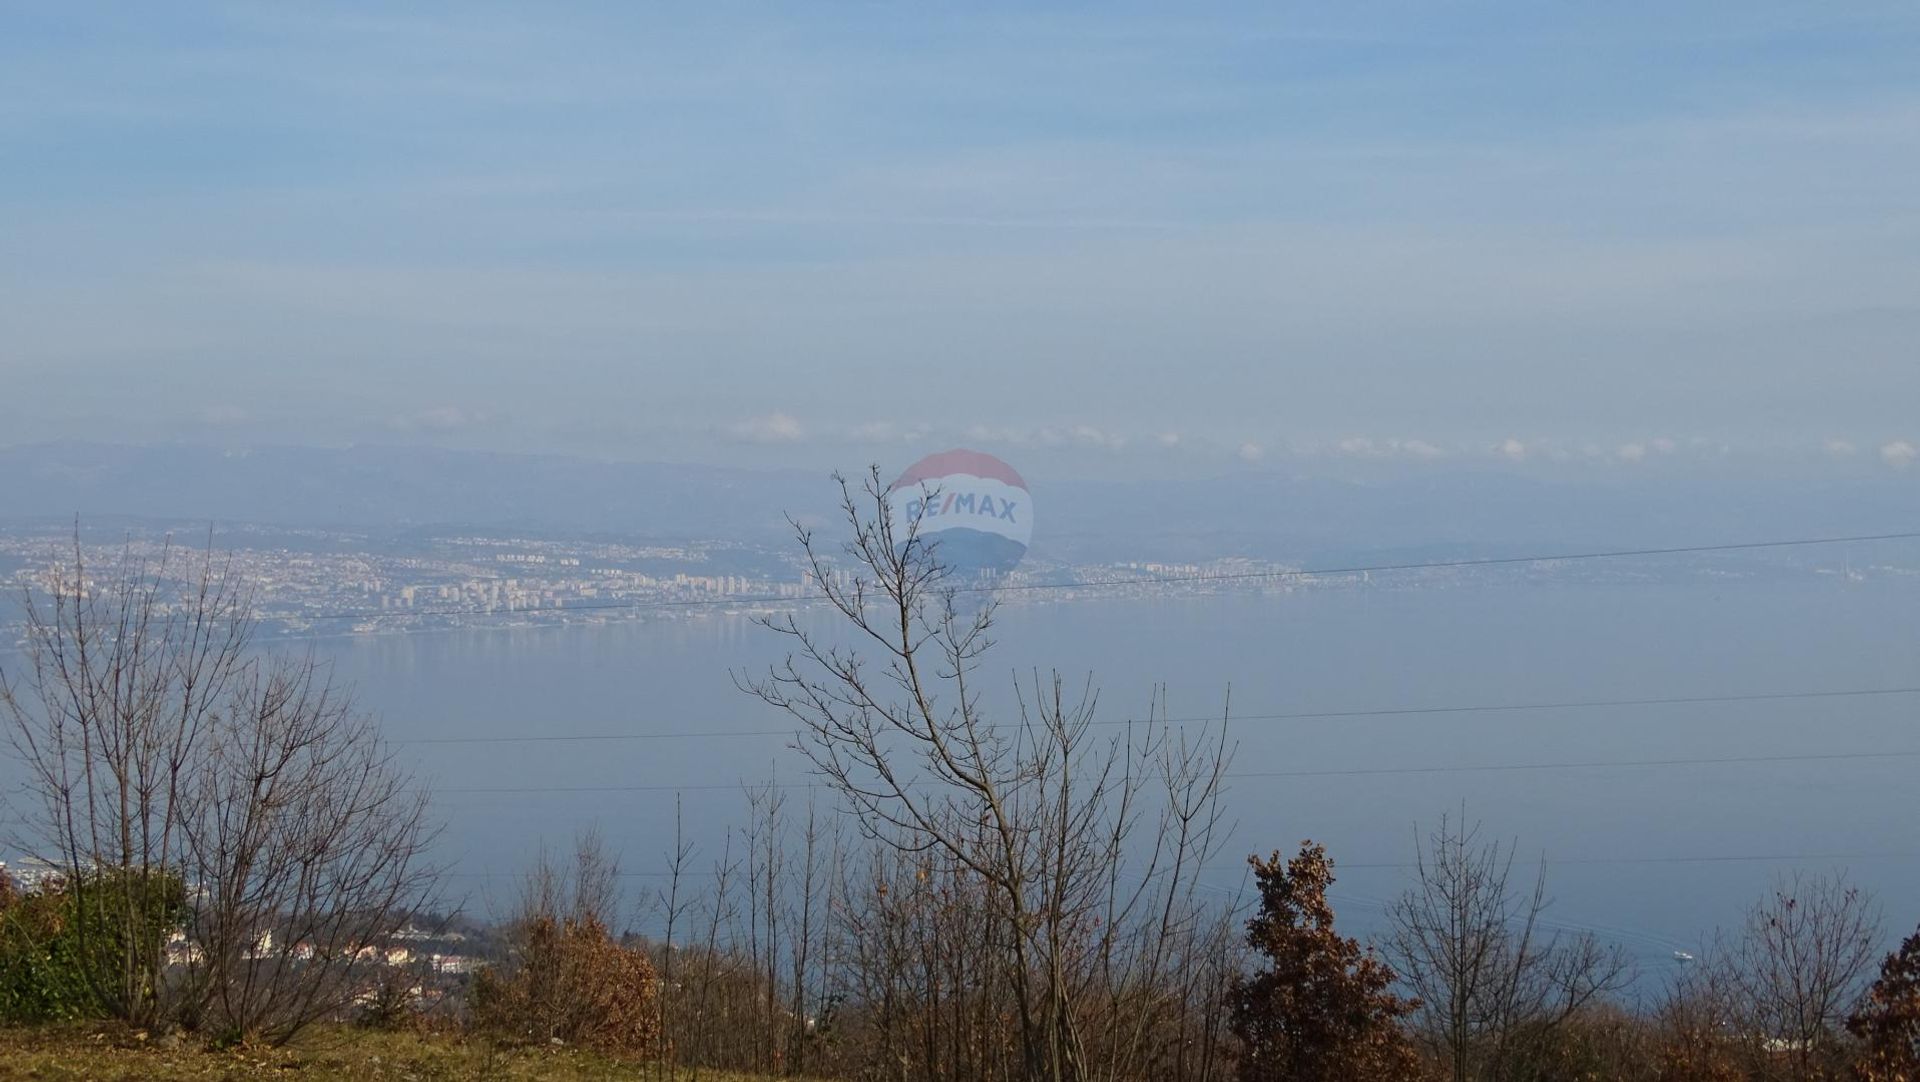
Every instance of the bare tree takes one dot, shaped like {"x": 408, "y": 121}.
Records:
{"x": 766, "y": 869}
{"x": 808, "y": 902}
{"x": 718, "y": 1016}
{"x": 127, "y": 669}
{"x": 1796, "y": 969}
{"x": 673, "y": 901}
{"x": 308, "y": 847}
{"x": 1471, "y": 944}
{"x": 1036, "y": 820}
{"x": 161, "y": 749}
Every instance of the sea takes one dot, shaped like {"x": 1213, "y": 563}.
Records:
{"x": 1667, "y": 752}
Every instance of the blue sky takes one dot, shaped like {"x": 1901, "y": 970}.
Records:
{"x": 1191, "y": 238}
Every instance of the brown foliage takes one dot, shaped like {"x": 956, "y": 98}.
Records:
{"x": 1323, "y": 1007}
{"x": 1601, "y": 1042}
{"x": 1888, "y": 1022}
{"x": 1695, "y": 1034}
{"x": 1698, "y": 1060}
{"x": 572, "y": 983}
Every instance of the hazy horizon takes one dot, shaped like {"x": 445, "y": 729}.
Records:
{"x": 1478, "y": 438}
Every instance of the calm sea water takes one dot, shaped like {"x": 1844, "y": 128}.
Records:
{"x": 1654, "y": 856}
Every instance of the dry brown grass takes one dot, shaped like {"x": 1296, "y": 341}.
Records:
{"x": 107, "y": 1054}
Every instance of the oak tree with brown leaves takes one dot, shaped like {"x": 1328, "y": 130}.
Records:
{"x": 1888, "y": 1022}
{"x": 1322, "y": 1008}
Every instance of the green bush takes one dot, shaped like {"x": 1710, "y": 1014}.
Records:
{"x": 40, "y": 979}
{"x": 79, "y": 949}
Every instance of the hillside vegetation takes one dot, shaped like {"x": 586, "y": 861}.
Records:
{"x": 110, "y": 1054}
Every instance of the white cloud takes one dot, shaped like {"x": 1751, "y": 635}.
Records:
{"x": 1899, "y": 454}
{"x": 1663, "y": 445}
{"x": 1251, "y": 452}
{"x": 1368, "y": 447}
{"x": 1513, "y": 449}
{"x": 888, "y": 432}
{"x": 1840, "y": 448}
{"x": 1079, "y": 435}
{"x": 1168, "y": 439}
{"x": 1089, "y": 436}
{"x": 1631, "y": 452}
{"x": 771, "y": 428}
{"x": 990, "y": 434}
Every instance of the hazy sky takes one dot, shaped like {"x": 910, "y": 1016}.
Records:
{"x": 1227, "y": 237}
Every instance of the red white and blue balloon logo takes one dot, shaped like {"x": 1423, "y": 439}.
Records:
{"x": 971, "y": 510}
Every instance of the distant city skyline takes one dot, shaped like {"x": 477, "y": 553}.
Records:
{"x": 1626, "y": 237}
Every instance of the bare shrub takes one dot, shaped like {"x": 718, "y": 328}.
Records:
{"x": 1494, "y": 981}
{"x": 1695, "y": 1033}
{"x": 308, "y": 844}
{"x": 747, "y": 955}
{"x": 1603, "y": 1041}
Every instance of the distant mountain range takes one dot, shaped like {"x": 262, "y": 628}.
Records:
{"x": 394, "y": 488}
{"x": 1426, "y": 512}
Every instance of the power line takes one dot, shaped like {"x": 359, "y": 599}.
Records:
{"x": 1162, "y": 580}
{"x": 1584, "y": 704}
{"x": 1305, "y": 715}
{"x": 1718, "y": 760}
